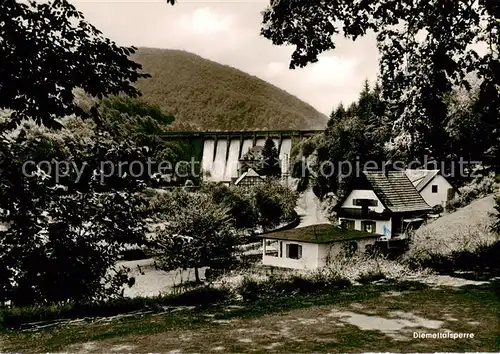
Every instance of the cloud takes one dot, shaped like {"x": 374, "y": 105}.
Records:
{"x": 331, "y": 71}
{"x": 204, "y": 21}
{"x": 275, "y": 69}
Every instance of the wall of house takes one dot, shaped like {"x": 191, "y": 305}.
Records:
{"x": 329, "y": 252}
{"x": 382, "y": 227}
{"x": 309, "y": 258}
{"x": 336, "y": 250}
{"x": 441, "y": 196}
{"x": 362, "y": 194}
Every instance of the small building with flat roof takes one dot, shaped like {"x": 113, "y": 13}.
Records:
{"x": 313, "y": 246}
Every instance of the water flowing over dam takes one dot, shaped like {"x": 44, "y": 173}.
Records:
{"x": 221, "y": 157}
{"x": 222, "y": 151}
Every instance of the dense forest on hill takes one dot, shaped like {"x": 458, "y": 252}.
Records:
{"x": 203, "y": 94}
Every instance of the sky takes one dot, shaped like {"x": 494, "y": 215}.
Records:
{"x": 228, "y": 32}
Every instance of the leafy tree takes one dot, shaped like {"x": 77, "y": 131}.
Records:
{"x": 270, "y": 160}
{"x": 275, "y": 203}
{"x": 359, "y": 136}
{"x": 198, "y": 233}
{"x": 427, "y": 48}
{"x": 59, "y": 245}
{"x": 48, "y": 50}
{"x": 241, "y": 206}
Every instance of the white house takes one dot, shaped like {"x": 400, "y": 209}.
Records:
{"x": 313, "y": 246}
{"x": 249, "y": 179}
{"x": 432, "y": 186}
{"x": 384, "y": 203}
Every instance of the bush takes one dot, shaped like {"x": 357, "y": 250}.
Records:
{"x": 481, "y": 259}
{"x": 437, "y": 209}
{"x": 371, "y": 276}
{"x": 16, "y": 317}
{"x": 241, "y": 206}
{"x": 199, "y": 234}
{"x": 362, "y": 266}
{"x": 275, "y": 203}
{"x": 66, "y": 247}
{"x": 426, "y": 244}
{"x": 201, "y": 296}
{"x": 480, "y": 187}
{"x": 251, "y": 289}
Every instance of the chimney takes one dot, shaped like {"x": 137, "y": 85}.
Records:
{"x": 387, "y": 166}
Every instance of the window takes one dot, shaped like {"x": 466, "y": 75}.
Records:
{"x": 368, "y": 226}
{"x": 347, "y": 224}
{"x": 365, "y": 202}
{"x": 434, "y": 188}
{"x": 293, "y": 251}
{"x": 271, "y": 248}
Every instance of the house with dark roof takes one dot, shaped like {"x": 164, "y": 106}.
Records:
{"x": 313, "y": 246}
{"x": 432, "y": 186}
{"x": 385, "y": 203}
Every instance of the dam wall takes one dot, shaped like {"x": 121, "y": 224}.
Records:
{"x": 222, "y": 151}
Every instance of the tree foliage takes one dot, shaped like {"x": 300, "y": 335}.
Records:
{"x": 427, "y": 48}
{"x": 241, "y": 206}
{"x": 354, "y": 136}
{"x": 59, "y": 245}
{"x": 270, "y": 160}
{"x": 275, "y": 203}
{"x": 198, "y": 233}
{"x": 47, "y": 50}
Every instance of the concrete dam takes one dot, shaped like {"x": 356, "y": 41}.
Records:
{"x": 222, "y": 151}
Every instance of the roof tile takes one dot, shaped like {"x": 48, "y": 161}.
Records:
{"x": 396, "y": 191}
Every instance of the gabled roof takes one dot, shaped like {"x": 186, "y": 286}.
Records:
{"x": 395, "y": 191}
{"x": 323, "y": 233}
{"x": 250, "y": 173}
{"x": 421, "y": 178}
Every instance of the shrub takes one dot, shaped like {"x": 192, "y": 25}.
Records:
{"x": 275, "y": 203}
{"x": 362, "y": 266}
{"x": 483, "y": 259}
{"x": 241, "y": 206}
{"x": 199, "y": 234}
{"x": 370, "y": 276}
{"x": 201, "y": 296}
{"x": 437, "y": 209}
{"x": 254, "y": 286}
{"x": 478, "y": 188}
{"x": 15, "y": 317}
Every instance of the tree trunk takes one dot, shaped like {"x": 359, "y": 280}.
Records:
{"x": 197, "y": 275}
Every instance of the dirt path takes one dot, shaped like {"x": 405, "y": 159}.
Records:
{"x": 310, "y": 210}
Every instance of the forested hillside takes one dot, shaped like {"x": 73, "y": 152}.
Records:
{"x": 203, "y": 94}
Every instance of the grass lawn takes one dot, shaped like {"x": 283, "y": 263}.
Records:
{"x": 358, "y": 319}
